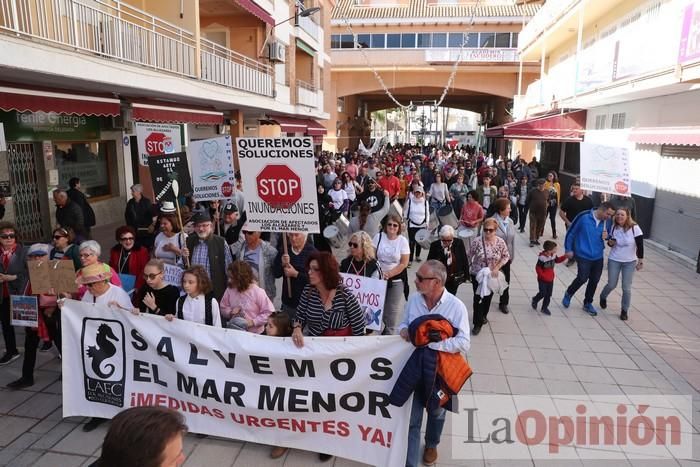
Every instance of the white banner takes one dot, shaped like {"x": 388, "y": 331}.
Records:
{"x": 331, "y": 396}
{"x": 370, "y": 293}
{"x": 211, "y": 161}
{"x": 605, "y": 169}
{"x": 279, "y": 184}
{"x": 157, "y": 138}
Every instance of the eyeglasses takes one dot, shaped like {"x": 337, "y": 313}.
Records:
{"x": 58, "y": 237}
{"x": 391, "y": 224}
{"x": 420, "y": 278}
{"x": 489, "y": 230}
{"x": 151, "y": 276}
{"x": 91, "y": 284}
{"x": 6, "y": 236}
{"x": 248, "y": 232}
{"x": 446, "y": 240}
{"x": 126, "y": 239}
{"x": 353, "y": 245}
{"x": 86, "y": 255}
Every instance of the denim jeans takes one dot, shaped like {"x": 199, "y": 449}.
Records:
{"x": 433, "y": 431}
{"x": 544, "y": 294}
{"x": 590, "y": 271}
{"x": 614, "y": 269}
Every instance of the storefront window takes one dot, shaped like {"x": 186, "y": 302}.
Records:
{"x": 91, "y": 162}
{"x": 572, "y": 159}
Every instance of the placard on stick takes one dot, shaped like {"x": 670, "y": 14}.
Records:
{"x": 52, "y": 277}
{"x": 166, "y": 168}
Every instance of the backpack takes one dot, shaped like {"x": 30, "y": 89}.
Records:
{"x": 208, "y": 316}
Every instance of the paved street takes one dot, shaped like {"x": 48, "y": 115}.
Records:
{"x": 656, "y": 352}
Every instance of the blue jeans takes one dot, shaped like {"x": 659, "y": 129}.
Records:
{"x": 614, "y": 269}
{"x": 433, "y": 431}
{"x": 588, "y": 271}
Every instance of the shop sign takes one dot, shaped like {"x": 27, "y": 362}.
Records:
{"x": 690, "y": 34}
{"x": 155, "y": 139}
{"x": 49, "y": 126}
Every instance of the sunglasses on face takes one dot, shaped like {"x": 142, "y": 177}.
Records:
{"x": 91, "y": 284}
{"x": 151, "y": 276}
{"x": 6, "y": 236}
{"x": 126, "y": 239}
{"x": 58, "y": 237}
{"x": 489, "y": 230}
{"x": 392, "y": 225}
{"x": 353, "y": 245}
{"x": 248, "y": 232}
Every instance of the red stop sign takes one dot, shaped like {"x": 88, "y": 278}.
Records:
{"x": 279, "y": 186}
{"x": 158, "y": 143}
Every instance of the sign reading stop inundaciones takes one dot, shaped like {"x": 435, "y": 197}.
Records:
{"x": 279, "y": 184}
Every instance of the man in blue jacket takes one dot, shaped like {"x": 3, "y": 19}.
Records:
{"x": 585, "y": 240}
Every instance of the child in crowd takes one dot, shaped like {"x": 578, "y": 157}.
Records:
{"x": 244, "y": 304}
{"x": 198, "y": 305}
{"x": 546, "y": 261}
{"x": 278, "y": 325}
{"x": 156, "y": 296}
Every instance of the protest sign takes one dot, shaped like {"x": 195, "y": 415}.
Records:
{"x": 329, "y": 396}
{"x": 605, "y": 169}
{"x": 279, "y": 184}
{"x": 25, "y": 310}
{"x": 172, "y": 274}
{"x": 154, "y": 139}
{"x": 370, "y": 293}
{"x": 165, "y": 169}
{"x": 52, "y": 277}
{"x": 212, "y": 168}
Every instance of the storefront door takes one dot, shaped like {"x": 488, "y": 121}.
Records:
{"x": 30, "y": 203}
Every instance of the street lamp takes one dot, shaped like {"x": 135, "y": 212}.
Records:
{"x": 299, "y": 14}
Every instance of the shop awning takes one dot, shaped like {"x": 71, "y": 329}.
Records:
{"x": 315, "y": 129}
{"x": 305, "y": 47}
{"x": 568, "y": 126}
{"x": 170, "y": 114}
{"x": 679, "y": 135}
{"x": 256, "y": 10}
{"x": 37, "y": 100}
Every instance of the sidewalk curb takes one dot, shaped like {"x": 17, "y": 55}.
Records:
{"x": 684, "y": 261}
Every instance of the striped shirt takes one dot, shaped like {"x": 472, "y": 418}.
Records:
{"x": 345, "y": 311}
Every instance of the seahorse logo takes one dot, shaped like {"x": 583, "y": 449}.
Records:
{"x": 102, "y": 351}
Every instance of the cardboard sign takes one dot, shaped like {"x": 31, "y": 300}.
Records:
{"x": 212, "y": 168}
{"x": 279, "y": 184}
{"x": 52, "y": 277}
{"x": 25, "y": 310}
{"x": 166, "y": 168}
{"x": 172, "y": 275}
{"x": 370, "y": 294}
{"x": 157, "y": 138}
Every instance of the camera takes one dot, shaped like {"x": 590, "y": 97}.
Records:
{"x": 434, "y": 336}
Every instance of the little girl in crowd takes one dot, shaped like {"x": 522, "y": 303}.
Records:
{"x": 278, "y": 325}
{"x": 245, "y": 305}
{"x": 545, "y": 275}
{"x": 198, "y": 305}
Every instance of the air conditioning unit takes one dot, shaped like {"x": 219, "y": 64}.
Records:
{"x": 276, "y": 52}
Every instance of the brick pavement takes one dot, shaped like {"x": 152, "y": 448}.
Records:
{"x": 524, "y": 352}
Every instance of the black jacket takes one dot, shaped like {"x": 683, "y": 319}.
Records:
{"x": 70, "y": 215}
{"x": 458, "y": 271}
{"x": 81, "y": 200}
{"x": 139, "y": 215}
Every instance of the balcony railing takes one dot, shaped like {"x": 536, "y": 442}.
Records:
{"x": 308, "y": 25}
{"x": 122, "y": 32}
{"x": 471, "y": 55}
{"x": 229, "y": 68}
{"x": 545, "y": 17}
{"x": 307, "y": 94}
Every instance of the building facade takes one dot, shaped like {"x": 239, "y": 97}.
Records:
{"x": 79, "y": 79}
{"x": 628, "y": 72}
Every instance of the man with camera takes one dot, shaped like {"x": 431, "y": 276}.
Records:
{"x": 585, "y": 241}
{"x": 432, "y": 298}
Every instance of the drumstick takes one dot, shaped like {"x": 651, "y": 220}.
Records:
{"x": 286, "y": 252}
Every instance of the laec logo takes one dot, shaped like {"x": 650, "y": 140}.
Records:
{"x": 159, "y": 143}
{"x": 621, "y": 187}
{"x": 103, "y": 346}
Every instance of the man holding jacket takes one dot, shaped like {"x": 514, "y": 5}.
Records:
{"x": 585, "y": 241}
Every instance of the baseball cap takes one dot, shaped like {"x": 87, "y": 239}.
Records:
{"x": 39, "y": 249}
{"x": 230, "y": 208}
{"x": 201, "y": 216}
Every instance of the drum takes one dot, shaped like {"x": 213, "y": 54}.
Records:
{"x": 334, "y": 236}
{"x": 466, "y": 232}
{"x": 343, "y": 225}
{"x": 425, "y": 237}
{"x": 447, "y": 216}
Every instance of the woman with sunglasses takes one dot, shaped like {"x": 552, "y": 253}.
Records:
{"x": 13, "y": 280}
{"x": 90, "y": 252}
{"x": 361, "y": 259}
{"x": 488, "y": 251}
{"x": 156, "y": 296}
{"x": 64, "y": 248}
{"x": 392, "y": 253}
{"x": 127, "y": 257}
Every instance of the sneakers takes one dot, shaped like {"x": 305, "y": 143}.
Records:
{"x": 623, "y": 315}
{"x": 590, "y": 309}
{"x": 20, "y": 384}
{"x": 8, "y": 358}
{"x": 603, "y": 303}
{"x": 430, "y": 456}
{"x": 546, "y": 311}
{"x": 45, "y": 346}
{"x": 566, "y": 301}
{"x": 93, "y": 423}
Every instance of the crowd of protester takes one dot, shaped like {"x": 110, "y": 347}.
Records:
{"x": 468, "y": 203}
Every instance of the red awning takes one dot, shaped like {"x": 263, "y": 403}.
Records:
{"x": 315, "y": 129}
{"x": 680, "y": 135}
{"x": 170, "y": 114}
{"x": 289, "y": 124}
{"x": 36, "y": 100}
{"x": 561, "y": 126}
{"x": 256, "y": 10}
